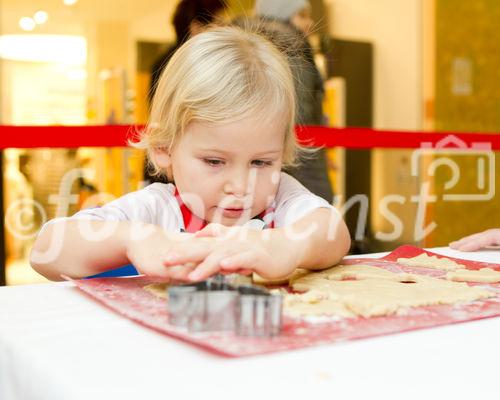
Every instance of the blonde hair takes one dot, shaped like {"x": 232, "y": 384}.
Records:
{"x": 222, "y": 75}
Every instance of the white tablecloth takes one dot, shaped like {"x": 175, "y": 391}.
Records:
{"x": 56, "y": 343}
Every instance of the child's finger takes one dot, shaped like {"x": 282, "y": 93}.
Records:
{"x": 246, "y": 260}
{"x": 153, "y": 269}
{"x": 180, "y": 272}
{"x": 212, "y": 230}
{"x": 192, "y": 251}
{"x": 244, "y": 272}
{"x": 208, "y": 267}
{"x": 238, "y": 271}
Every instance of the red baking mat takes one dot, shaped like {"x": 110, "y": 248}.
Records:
{"x": 126, "y": 296}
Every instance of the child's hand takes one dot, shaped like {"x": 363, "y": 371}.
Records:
{"x": 490, "y": 237}
{"x": 147, "y": 253}
{"x": 236, "y": 249}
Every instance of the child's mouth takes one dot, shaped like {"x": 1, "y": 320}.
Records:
{"x": 233, "y": 212}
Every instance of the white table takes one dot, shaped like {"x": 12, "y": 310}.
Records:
{"x": 56, "y": 343}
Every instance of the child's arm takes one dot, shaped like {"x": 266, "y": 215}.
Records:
{"x": 490, "y": 237}
{"x": 317, "y": 240}
{"x": 324, "y": 246}
{"x": 79, "y": 248}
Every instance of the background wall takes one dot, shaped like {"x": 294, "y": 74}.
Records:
{"x": 395, "y": 29}
{"x": 467, "y": 99}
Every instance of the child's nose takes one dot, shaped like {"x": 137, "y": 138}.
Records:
{"x": 240, "y": 182}
{"x": 236, "y": 186}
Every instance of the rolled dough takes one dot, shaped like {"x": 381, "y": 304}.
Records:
{"x": 376, "y": 292}
{"x": 259, "y": 280}
{"x": 426, "y": 261}
{"x": 158, "y": 289}
{"x": 484, "y": 275}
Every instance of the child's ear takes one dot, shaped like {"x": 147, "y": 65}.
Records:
{"x": 161, "y": 157}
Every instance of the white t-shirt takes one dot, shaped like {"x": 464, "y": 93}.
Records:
{"x": 156, "y": 204}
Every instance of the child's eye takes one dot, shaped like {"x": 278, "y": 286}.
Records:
{"x": 213, "y": 162}
{"x": 261, "y": 163}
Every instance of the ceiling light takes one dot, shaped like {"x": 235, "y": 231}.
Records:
{"x": 70, "y": 2}
{"x": 41, "y": 17}
{"x": 27, "y": 24}
{"x": 76, "y": 74}
{"x": 67, "y": 50}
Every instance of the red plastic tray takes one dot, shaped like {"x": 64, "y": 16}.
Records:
{"x": 127, "y": 297}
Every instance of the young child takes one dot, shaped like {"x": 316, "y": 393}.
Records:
{"x": 221, "y": 129}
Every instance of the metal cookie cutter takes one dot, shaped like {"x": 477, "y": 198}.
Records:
{"x": 215, "y": 305}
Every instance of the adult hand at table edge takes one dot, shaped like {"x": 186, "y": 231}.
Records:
{"x": 477, "y": 241}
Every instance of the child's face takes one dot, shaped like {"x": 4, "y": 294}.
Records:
{"x": 228, "y": 173}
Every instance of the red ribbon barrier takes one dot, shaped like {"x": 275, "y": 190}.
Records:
{"x": 365, "y": 138}
{"x": 118, "y": 135}
{"x": 65, "y": 136}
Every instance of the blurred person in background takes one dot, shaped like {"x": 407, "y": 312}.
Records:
{"x": 190, "y": 18}
{"x": 295, "y": 18}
